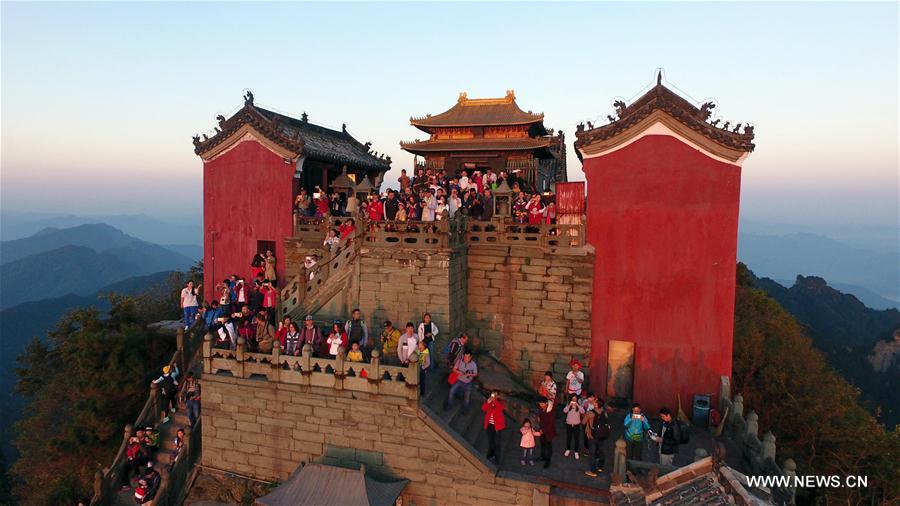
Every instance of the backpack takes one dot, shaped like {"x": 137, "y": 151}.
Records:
{"x": 600, "y": 427}
{"x": 167, "y": 386}
{"x": 683, "y": 436}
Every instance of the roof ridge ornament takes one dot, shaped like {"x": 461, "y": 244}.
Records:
{"x": 511, "y": 95}
{"x": 659, "y": 77}
{"x": 248, "y": 99}
{"x": 463, "y": 97}
{"x": 304, "y": 117}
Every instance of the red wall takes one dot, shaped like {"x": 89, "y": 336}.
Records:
{"x": 663, "y": 219}
{"x": 246, "y": 198}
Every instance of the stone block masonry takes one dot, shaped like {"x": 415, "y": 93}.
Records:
{"x": 265, "y": 429}
{"x": 531, "y": 306}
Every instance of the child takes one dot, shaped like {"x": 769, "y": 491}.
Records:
{"x": 527, "y": 442}
{"x": 355, "y": 354}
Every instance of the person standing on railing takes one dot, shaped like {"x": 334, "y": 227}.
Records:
{"x": 189, "y": 303}
{"x": 428, "y": 331}
{"x": 168, "y": 388}
{"x": 190, "y": 395}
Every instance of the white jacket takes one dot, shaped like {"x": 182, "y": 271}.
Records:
{"x": 406, "y": 346}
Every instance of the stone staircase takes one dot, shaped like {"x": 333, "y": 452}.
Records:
{"x": 307, "y": 294}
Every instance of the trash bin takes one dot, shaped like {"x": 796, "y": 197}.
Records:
{"x": 701, "y": 410}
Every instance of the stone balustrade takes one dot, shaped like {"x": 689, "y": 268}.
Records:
{"x": 505, "y": 232}
{"x": 337, "y": 373}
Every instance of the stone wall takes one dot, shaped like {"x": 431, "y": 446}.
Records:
{"x": 531, "y": 306}
{"x": 400, "y": 284}
{"x": 265, "y": 429}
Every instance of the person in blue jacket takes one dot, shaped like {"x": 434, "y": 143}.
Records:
{"x": 636, "y": 427}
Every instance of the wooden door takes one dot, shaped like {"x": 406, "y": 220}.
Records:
{"x": 620, "y": 370}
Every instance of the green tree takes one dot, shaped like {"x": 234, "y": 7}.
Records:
{"x": 812, "y": 410}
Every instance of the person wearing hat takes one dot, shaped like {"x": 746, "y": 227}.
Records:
{"x": 310, "y": 334}
{"x": 168, "y": 388}
{"x": 574, "y": 378}
{"x": 389, "y": 339}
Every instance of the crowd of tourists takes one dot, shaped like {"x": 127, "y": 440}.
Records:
{"x": 433, "y": 195}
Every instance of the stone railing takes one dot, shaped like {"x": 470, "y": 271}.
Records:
{"x": 107, "y": 480}
{"x": 299, "y": 290}
{"x": 436, "y": 234}
{"x": 505, "y": 232}
{"x": 339, "y": 373}
{"x": 172, "y": 490}
{"x": 314, "y": 229}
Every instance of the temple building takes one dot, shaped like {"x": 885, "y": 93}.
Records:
{"x": 482, "y": 133}
{"x": 253, "y": 167}
{"x": 662, "y": 212}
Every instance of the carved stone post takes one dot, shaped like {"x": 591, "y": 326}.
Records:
{"x": 374, "y": 371}
{"x": 790, "y": 470}
{"x": 276, "y": 361}
{"x": 620, "y": 464}
{"x": 724, "y": 392}
{"x": 207, "y": 353}
{"x": 186, "y": 451}
{"x": 306, "y": 359}
{"x": 239, "y": 357}
{"x": 412, "y": 376}
{"x": 340, "y": 368}
{"x": 768, "y": 446}
{"x": 738, "y": 405}
{"x": 753, "y": 423}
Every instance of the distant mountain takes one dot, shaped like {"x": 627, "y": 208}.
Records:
{"x": 192, "y": 251}
{"x": 859, "y": 342}
{"x": 18, "y": 324}
{"x": 186, "y": 230}
{"x": 77, "y": 260}
{"x": 786, "y": 256}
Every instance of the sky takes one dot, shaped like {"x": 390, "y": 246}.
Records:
{"x": 98, "y": 101}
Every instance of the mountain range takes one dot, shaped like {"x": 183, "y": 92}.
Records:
{"x": 79, "y": 260}
{"x": 861, "y": 343}
{"x": 160, "y": 230}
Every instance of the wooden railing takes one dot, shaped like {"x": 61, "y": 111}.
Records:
{"x": 107, "y": 480}
{"x": 372, "y": 377}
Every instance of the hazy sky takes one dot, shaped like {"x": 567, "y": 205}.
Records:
{"x": 99, "y": 101}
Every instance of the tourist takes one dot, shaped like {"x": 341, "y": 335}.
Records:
{"x": 424, "y": 363}
{"x": 466, "y": 370}
{"x": 189, "y": 303}
{"x": 455, "y": 348}
{"x": 587, "y": 403}
{"x": 270, "y": 268}
{"x": 190, "y": 395}
{"x": 535, "y": 210}
{"x": 136, "y": 455}
{"x": 475, "y": 205}
{"x": 441, "y": 211}
{"x": 227, "y": 333}
{"x": 548, "y": 388}
{"x": 347, "y": 228}
{"x": 239, "y": 290}
{"x": 429, "y": 205}
{"x": 265, "y": 334}
{"x": 519, "y": 210}
{"x": 428, "y": 331}
{"x": 356, "y": 329}
{"x": 375, "y": 209}
{"x": 293, "y": 341}
{"x": 453, "y": 202}
{"x": 494, "y": 422}
{"x": 389, "y": 339}
{"x": 636, "y": 425}
{"x": 335, "y": 204}
{"x": 246, "y": 330}
{"x": 281, "y": 333}
{"x": 403, "y": 180}
{"x": 257, "y": 266}
{"x": 322, "y": 203}
{"x": 309, "y": 263}
{"x": 352, "y": 207}
{"x": 337, "y": 339}
{"x": 302, "y": 203}
{"x": 487, "y": 203}
{"x": 669, "y": 437}
{"x": 152, "y": 480}
{"x": 401, "y": 213}
{"x": 391, "y": 205}
{"x": 177, "y": 445}
{"x": 355, "y": 354}
{"x": 331, "y": 241}
{"x": 463, "y": 181}
{"x": 573, "y": 413}
{"x": 550, "y": 214}
{"x": 168, "y": 388}
{"x": 407, "y": 344}
{"x": 270, "y": 299}
{"x": 597, "y": 430}
{"x": 310, "y": 334}
{"x": 574, "y": 379}
{"x": 212, "y": 314}
{"x": 527, "y": 442}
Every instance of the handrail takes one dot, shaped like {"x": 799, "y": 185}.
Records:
{"x": 106, "y": 480}
{"x": 306, "y": 369}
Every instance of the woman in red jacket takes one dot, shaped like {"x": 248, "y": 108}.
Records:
{"x": 494, "y": 422}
